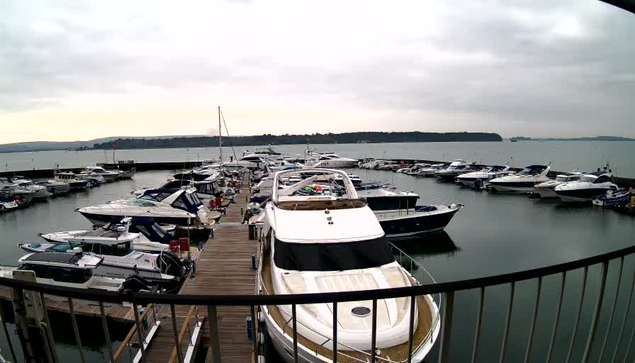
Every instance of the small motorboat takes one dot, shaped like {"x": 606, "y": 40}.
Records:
{"x": 72, "y": 180}
{"x": 416, "y": 221}
{"x": 614, "y": 198}
{"x": 7, "y": 204}
{"x": 431, "y": 170}
{"x": 71, "y": 270}
{"x": 144, "y": 233}
{"x": 55, "y": 187}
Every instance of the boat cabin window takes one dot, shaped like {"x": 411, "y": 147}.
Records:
{"x": 60, "y": 274}
{"x": 336, "y": 256}
{"x": 603, "y": 179}
{"x": 142, "y": 203}
{"x": 120, "y": 249}
{"x": 156, "y": 195}
{"x": 255, "y": 159}
{"x": 533, "y": 170}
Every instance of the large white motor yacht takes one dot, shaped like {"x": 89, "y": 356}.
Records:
{"x": 321, "y": 240}
{"x": 587, "y": 188}
{"x": 482, "y": 176}
{"x": 108, "y": 175}
{"x": 331, "y": 160}
{"x": 523, "y": 181}
{"x": 547, "y": 189}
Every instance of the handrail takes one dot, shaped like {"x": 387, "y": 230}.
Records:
{"x": 244, "y": 300}
{"x": 128, "y": 338}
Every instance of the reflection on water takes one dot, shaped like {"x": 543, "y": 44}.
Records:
{"x": 439, "y": 243}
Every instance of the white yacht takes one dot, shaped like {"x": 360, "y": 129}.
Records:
{"x": 328, "y": 240}
{"x": 456, "y": 168}
{"x": 547, "y": 189}
{"x": 108, "y": 175}
{"x": 120, "y": 260}
{"x": 70, "y": 270}
{"x": 146, "y": 235}
{"x": 180, "y": 207}
{"x": 11, "y": 190}
{"x": 587, "y": 188}
{"x": 523, "y": 181}
{"x": 331, "y": 160}
{"x": 483, "y": 176}
{"x": 431, "y": 170}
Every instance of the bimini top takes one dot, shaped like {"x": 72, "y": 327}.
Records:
{"x": 314, "y": 185}
{"x": 184, "y": 199}
{"x": 67, "y": 260}
{"x": 533, "y": 170}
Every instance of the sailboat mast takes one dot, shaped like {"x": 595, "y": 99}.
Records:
{"x": 220, "y": 138}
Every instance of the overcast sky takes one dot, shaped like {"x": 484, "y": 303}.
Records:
{"x": 77, "y": 70}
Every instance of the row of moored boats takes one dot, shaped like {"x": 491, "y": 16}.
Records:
{"x": 18, "y": 192}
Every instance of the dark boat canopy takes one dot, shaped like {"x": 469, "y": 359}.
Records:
{"x": 533, "y": 169}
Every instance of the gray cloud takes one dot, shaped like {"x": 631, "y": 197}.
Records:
{"x": 531, "y": 68}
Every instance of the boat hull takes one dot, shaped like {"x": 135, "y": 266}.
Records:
{"x": 546, "y": 192}
{"x": 516, "y": 187}
{"x": 580, "y": 195}
{"x": 417, "y": 223}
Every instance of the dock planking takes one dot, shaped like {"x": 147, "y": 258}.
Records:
{"x": 223, "y": 268}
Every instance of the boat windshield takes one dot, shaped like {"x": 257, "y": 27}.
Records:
{"x": 532, "y": 170}
{"x": 336, "y": 256}
{"x": 120, "y": 249}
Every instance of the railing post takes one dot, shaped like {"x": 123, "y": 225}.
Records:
{"x": 533, "y": 320}
{"x": 78, "y": 339}
{"x": 628, "y": 307}
{"x": 557, "y": 318}
{"x": 104, "y": 325}
{"x": 373, "y": 342}
{"x": 295, "y": 333}
{"x": 254, "y": 332}
{"x": 479, "y": 319}
{"x": 577, "y": 319}
{"x": 334, "y": 331}
{"x": 49, "y": 332}
{"x": 413, "y": 306}
{"x": 446, "y": 327}
{"x": 139, "y": 332}
{"x": 596, "y": 314}
{"x": 617, "y": 295}
{"x": 212, "y": 317}
{"x": 6, "y": 334}
{"x": 177, "y": 341}
{"x": 507, "y": 322}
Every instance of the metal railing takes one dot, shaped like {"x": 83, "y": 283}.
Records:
{"x": 594, "y": 344}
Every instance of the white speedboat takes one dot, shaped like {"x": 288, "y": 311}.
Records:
{"x": 7, "y": 204}
{"x": 456, "y": 168}
{"x": 431, "y": 170}
{"x": 483, "y": 176}
{"x": 331, "y": 160}
{"x": 11, "y": 190}
{"x": 37, "y": 191}
{"x": 71, "y": 270}
{"x": 148, "y": 236}
{"x": 120, "y": 260}
{"x": 328, "y": 240}
{"x": 523, "y": 181}
{"x": 180, "y": 207}
{"x": 587, "y": 188}
{"x": 108, "y": 175}
{"x": 547, "y": 189}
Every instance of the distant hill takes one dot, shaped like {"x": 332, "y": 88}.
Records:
{"x": 268, "y": 139}
{"x": 62, "y": 145}
{"x": 594, "y": 138}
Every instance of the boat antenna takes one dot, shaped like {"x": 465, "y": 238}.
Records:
{"x": 220, "y": 135}
{"x": 227, "y": 132}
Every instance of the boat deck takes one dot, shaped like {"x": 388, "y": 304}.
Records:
{"x": 397, "y": 353}
{"x": 223, "y": 267}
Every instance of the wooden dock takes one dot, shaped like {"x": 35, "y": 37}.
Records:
{"x": 120, "y": 314}
{"x": 223, "y": 267}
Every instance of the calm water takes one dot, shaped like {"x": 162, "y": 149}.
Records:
{"x": 562, "y": 155}
{"x": 493, "y": 234}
